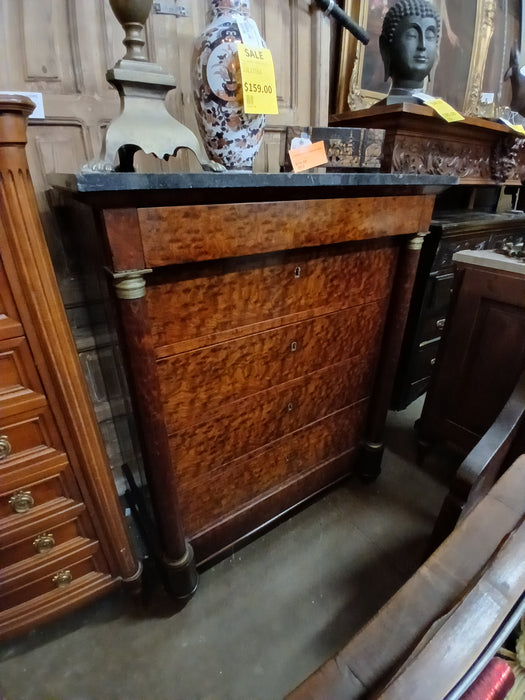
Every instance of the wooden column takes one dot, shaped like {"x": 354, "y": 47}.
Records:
{"x": 369, "y": 464}
{"x": 177, "y": 558}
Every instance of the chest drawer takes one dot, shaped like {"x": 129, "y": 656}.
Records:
{"x": 35, "y": 483}
{"x": 197, "y": 384}
{"x": 251, "y": 423}
{"x": 244, "y": 480}
{"x": 39, "y": 575}
{"x": 20, "y": 388}
{"x": 10, "y": 325}
{"x": 17, "y": 370}
{"x": 208, "y": 301}
{"x": 28, "y": 433}
{"x": 41, "y": 531}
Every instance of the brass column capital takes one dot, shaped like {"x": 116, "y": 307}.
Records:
{"x": 416, "y": 242}
{"x": 130, "y": 284}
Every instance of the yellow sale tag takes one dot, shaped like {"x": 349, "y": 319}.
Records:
{"x": 310, "y": 156}
{"x": 258, "y": 80}
{"x": 515, "y": 127}
{"x": 445, "y": 110}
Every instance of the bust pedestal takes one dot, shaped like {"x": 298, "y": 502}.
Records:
{"x": 478, "y": 151}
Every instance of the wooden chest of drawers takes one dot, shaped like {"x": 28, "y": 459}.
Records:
{"x": 261, "y": 318}
{"x": 63, "y": 540}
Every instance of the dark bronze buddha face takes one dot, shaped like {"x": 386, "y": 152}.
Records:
{"x": 409, "y": 43}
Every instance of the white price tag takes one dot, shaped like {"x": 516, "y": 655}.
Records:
{"x": 423, "y": 96}
{"x": 249, "y": 32}
{"x": 302, "y": 140}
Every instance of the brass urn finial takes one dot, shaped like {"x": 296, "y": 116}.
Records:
{"x": 132, "y": 15}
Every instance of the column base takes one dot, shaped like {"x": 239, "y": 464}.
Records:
{"x": 369, "y": 463}
{"x": 180, "y": 577}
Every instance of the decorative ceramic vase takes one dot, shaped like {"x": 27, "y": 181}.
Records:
{"x": 231, "y": 137}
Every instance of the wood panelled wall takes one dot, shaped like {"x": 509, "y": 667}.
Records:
{"x": 62, "y": 48}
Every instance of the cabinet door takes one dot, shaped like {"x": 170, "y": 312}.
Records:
{"x": 481, "y": 357}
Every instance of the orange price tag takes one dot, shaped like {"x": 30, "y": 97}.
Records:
{"x": 306, "y": 157}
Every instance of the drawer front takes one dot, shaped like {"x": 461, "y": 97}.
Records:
{"x": 40, "y": 532}
{"x": 211, "y": 299}
{"x": 432, "y": 327}
{"x": 27, "y": 434}
{"x": 16, "y": 367}
{"x": 31, "y": 485}
{"x": 10, "y": 325}
{"x": 253, "y": 422}
{"x": 20, "y": 387}
{"x": 33, "y": 577}
{"x": 179, "y": 234}
{"x": 246, "y": 480}
{"x": 50, "y": 605}
{"x": 424, "y": 360}
{"x": 197, "y": 384}
{"x": 438, "y": 294}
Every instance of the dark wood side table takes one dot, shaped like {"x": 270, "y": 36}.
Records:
{"x": 261, "y": 317}
{"x": 482, "y": 351}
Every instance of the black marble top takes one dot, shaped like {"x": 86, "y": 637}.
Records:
{"x": 114, "y": 190}
{"x": 112, "y": 182}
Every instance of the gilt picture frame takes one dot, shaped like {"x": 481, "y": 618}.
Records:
{"x": 466, "y": 31}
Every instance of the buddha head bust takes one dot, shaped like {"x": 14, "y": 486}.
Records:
{"x": 408, "y": 43}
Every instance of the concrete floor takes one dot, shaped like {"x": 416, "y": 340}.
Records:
{"x": 261, "y": 620}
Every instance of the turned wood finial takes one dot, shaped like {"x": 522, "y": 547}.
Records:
{"x": 14, "y": 110}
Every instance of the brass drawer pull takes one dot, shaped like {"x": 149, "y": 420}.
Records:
{"x": 62, "y": 578}
{"x": 432, "y": 361}
{"x": 21, "y": 501}
{"x": 44, "y": 543}
{"x": 5, "y": 447}
{"x": 440, "y": 324}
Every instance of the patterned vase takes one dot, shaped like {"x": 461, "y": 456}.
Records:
{"x": 230, "y": 136}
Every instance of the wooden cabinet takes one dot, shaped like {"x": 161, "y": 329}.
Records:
{"x": 63, "y": 540}
{"x": 450, "y": 232}
{"x": 482, "y": 352}
{"x": 261, "y": 317}
{"x": 484, "y": 155}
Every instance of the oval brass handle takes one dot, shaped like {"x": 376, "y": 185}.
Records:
{"x": 62, "y": 578}
{"x": 5, "y": 447}
{"x": 44, "y": 543}
{"x": 440, "y": 324}
{"x": 22, "y": 501}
